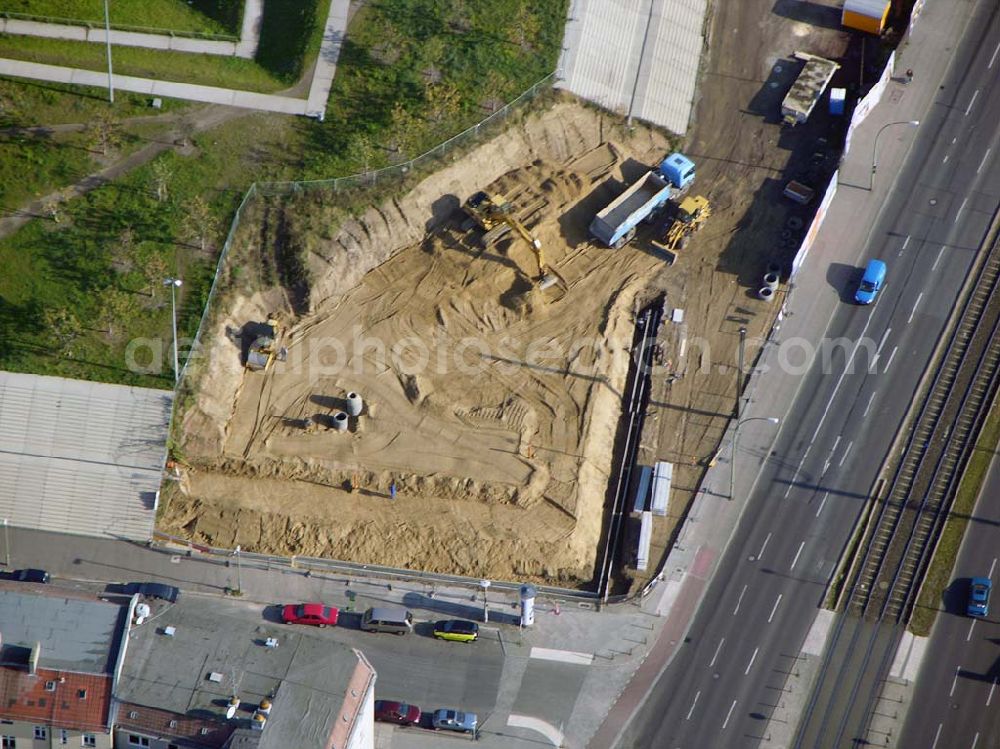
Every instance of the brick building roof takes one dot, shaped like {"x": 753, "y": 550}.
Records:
{"x": 78, "y": 701}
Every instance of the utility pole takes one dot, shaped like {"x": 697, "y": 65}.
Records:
{"x": 239, "y": 572}
{"x": 6, "y": 543}
{"x": 739, "y": 373}
{"x": 174, "y": 284}
{"x": 107, "y": 39}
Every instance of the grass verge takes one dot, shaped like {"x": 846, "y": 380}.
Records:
{"x": 201, "y": 16}
{"x": 940, "y": 571}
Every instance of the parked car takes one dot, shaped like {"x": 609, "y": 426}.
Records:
{"x": 458, "y": 630}
{"x": 979, "y": 597}
{"x": 871, "y": 282}
{"x": 31, "y": 576}
{"x": 316, "y": 614}
{"x": 399, "y": 713}
{"x": 454, "y": 720}
{"x": 159, "y": 590}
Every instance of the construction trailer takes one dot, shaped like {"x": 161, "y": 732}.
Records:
{"x": 866, "y": 15}
{"x": 807, "y": 89}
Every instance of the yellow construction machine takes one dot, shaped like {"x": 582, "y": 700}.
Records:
{"x": 495, "y": 216}
{"x": 688, "y": 218}
{"x": 264, "y": 349}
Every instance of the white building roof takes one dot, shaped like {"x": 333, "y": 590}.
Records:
{"x": 81, "y": 457}
{"x": 640, "y": 57}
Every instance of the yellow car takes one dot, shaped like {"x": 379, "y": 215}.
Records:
{"x": 458, "y": 630}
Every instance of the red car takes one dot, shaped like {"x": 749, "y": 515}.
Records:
{"x": 396, "y": 712}
{"x": 317, "y": 614}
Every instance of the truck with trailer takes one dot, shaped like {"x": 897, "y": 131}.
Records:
{"x": 616, "y": 224}
{"x": 807, "y": 89}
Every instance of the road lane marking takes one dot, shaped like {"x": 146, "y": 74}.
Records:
{"x": 889, "y": 363}
{"x": 983, "y": 162}
{"x": 774, "y": 609}
{"x": 849, "y": 446}
{"x": 975, "y": 740}
{"x": 881, "y": 343}
{"x": 717, "y": 651}
{"x": 971, "y": 102}
{"x": 763, "y": 546}
{"x": 797, "y": 555}
{"x": 989, "y": 697}
{"x": 938, "y": 258}
{"x": 915, "y": 305}
{"x": 937, "y": 735}
{"x": 564, "y": 656}
{"x": 822, "y": 504}
{"x": 729, "y": 715}
{"x": 696, "y": 696}
{"x": 971, "y": 626}
{"x": 840, "y": 380}
{"x": 954, "y": 681}
{"x": 993, "y": 566}
{"x": 869, "y": 405}
{"x": 994, "y": 58}
{"x": 549, "y": 731}
{"x": 752, "y": 659}
{"x": 740, "y": 600}
{"x": 960, "y": 209}
{"x": 945, "y": 159}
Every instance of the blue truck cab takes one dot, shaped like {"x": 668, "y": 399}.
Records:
{"x": 871, "y": 282}
{"x": 678, "y": 169}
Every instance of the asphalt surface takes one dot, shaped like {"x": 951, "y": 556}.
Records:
{"x": 726, "y": 679}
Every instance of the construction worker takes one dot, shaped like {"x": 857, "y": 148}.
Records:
{"x": 909, "y": 75}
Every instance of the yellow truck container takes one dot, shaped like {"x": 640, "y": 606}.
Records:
{"x": 866, "y": 15}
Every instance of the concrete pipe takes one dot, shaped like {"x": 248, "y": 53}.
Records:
{"x": 771, "y": 280}
{"x": 340, "y": 421}
{"x": 354, "y": 404}
{"x": 766, "y": 293}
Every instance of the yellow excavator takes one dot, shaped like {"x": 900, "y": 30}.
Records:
{"x": 495, "y": 217}
{"x": 265, "y": 349}
{"x": 689, "y": 217}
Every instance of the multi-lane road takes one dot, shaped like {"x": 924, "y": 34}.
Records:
{"x": 725, "y": 681}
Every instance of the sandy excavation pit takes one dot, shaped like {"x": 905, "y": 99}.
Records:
{"x": 492, "y": 406}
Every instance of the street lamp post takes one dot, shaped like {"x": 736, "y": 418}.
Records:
{"x": 239, "y": 571}
{"x": 6, "y": 544}
{"x": 174, "y": 284}
{"x": 485, "y": 585}
{"x": 736, "y": 436}
{"x": 871, "y": 178}
{"x": 107, "y": 39}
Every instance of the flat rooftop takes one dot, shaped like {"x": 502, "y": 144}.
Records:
{"x": 81, "y": 457}
{"x": 306, "y": 677}
{"x": 76, "y": 632}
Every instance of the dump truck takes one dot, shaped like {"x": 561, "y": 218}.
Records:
{"x": 615, "y": 226}
{"x": 807, "y": 89}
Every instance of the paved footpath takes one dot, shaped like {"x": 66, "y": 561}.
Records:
{"x": 315, "y": 106}
{"x": 852, "y": 215}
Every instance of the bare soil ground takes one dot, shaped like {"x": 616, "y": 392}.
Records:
{"x": 492, "y": 405}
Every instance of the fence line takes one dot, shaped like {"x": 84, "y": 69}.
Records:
{"x": 99, "y": 24}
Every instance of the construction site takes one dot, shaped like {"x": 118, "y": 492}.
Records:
{"x": 451, "y": 399}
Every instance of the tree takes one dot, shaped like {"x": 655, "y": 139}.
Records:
{"x": 155, "y": 271}
{"x": 52, "y": 207}
{"x": 525, "y": 29}
{"x": 105, "y": 131}
{"x": 64, "y": 324}
{"x": 116, "y": 305}
{"x": 162, "y": 173}
{"x": 361, "y": 151}
{"x": 199, "y": 223}
{"x": 443, "y": 101}
{"x": 405, "y": 129}
{"x": 123, "y": 251}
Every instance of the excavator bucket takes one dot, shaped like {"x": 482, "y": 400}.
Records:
{"x": 547, "y": 281}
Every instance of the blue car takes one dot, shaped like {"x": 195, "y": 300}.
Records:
{"x": 454, "y": 720}
{"x": 871, "y": 282}
{"x": 979, "y": 597}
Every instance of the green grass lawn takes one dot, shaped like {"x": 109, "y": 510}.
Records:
{"x": 413, "y": 73}
{"x": 202, "y": 16}
{"x": 67, "y": 284}
{"x": 26, "y": 103}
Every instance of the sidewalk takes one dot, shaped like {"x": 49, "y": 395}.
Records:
{"x": 809, "y": 305}
{"x": 315, "y": 106}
